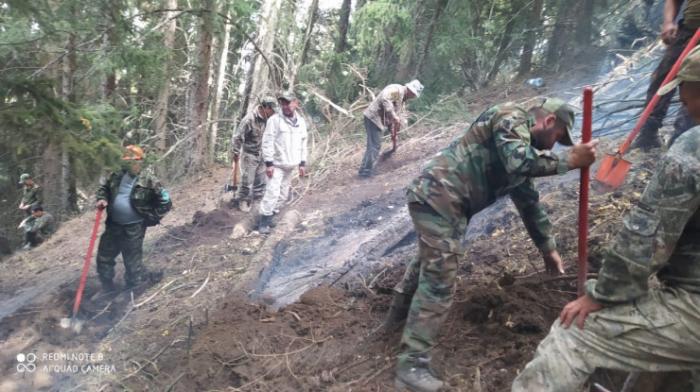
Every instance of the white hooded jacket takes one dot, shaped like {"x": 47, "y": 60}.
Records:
{"x": 284, "y": 143}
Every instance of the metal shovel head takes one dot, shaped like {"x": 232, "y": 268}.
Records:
{"x": 387, "y": 154}
{"x": 613, "y": 170}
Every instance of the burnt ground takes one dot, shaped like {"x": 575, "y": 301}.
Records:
{"x": 294, "y": 311}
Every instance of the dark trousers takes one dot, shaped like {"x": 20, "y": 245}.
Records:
{"x": 374, "y": 144}
{"x": 33, "y": 238}
{"x": 683, "y": 121}
{"x": 127, "y": 240}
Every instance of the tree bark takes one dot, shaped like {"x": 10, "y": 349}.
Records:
{"x": 199, "y": 158}
{"x": 506, "y": 39}
{"x": 311, "y": 21}
{"x": 440, "y": 6}
{"x": 560, "y": 34}
{"x": 258, "y": 82}
{"x": 162, "y": 103}
{"x": 341, "y": 44}
{"x": 584, "y": 23}
{"x": 530, "y": 38}
{"x": 220, "y": 84}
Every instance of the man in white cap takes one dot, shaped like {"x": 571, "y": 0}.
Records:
{"x": 386, "y": 112}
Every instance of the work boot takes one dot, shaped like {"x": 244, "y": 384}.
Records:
{"x": 417, "y": 376}
{"x": 244, "y": 205}
{"x": 647, "y": 139}
{"x": 398, "y": 312}
{"x": 107, "y": 290}
{"x": 264, "y": 224}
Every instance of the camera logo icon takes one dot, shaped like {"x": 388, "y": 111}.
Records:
{"x": 26, "y": 363}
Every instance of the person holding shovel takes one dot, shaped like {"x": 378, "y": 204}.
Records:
{"x": 31, "y": 193}
{"x": 676, "y": 37}
{"x": 620, "y": 322}
{"x": 246, "y": 148}
{"x": 386, "y": 112}
{"x": 497, "y": 156}
{"x": 135, "y": 200}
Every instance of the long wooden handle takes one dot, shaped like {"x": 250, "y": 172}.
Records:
{"x": 586, "y": 136}
{"x": 86, "y": 264}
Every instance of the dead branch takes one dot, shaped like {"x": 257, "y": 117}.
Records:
{"x": 202, "y": 286}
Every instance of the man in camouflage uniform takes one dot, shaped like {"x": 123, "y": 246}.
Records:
{"x": 31, "y": 193}
{"x": 246, "y": 144}
{"x": 134, "y": 200}
{"x": 497, "y": 156}
{"x": 676, "y": 36}
{"x": 386, "y": 112}
{"x": 622, "y": 324}
{"x": 38, "y": 227}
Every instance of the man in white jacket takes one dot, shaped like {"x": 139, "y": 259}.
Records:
{"x": 284, "y": 150}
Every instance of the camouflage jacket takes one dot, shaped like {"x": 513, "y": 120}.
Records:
{"x": 388, "y": 107}
{"x": 32, "y": 195}
{"x": 43, "y": 225}
{"x": 248, "y": 135}
{"x": 661, "y": 234}
{"x": 492, "y": 158}
{"x": 148, "y": 197}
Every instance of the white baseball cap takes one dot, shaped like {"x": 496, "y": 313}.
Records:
{"x": 415, "y": 86}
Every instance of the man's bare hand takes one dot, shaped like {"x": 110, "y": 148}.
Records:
{"x": 582, "y": 154}
{"x": 553, "y": 263}
{"x": 669, "y": 32}
{"x": 101, "y": 204}
{"x": 580, "y": 309}
{"x": 269, "y": 170}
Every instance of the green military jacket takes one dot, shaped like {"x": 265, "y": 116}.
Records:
{"x": 248, "y": 135}
{"x": 32, "y": 195}
{"x": 43, "y": 225}
{"x": 148, "y": 197}
{"x": 661, "y": 234}
{"x": 492, "y": 158}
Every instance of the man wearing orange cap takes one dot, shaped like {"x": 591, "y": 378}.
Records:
{"x": 134, "y": 200}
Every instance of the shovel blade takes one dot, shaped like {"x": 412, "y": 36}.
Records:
{"x": 612, "y": 171}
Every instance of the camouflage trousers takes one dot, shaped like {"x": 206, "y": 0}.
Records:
{"x": 252, "y": 177}
{"x": 657, "y": 333}
{"x": 127, "y": 240}
{"x": 430, "y": 278}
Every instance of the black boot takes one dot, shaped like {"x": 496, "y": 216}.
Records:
{"x": 648, "y": 137}
{"x": 398, "y": 313}
{"x": 264, "y": 224}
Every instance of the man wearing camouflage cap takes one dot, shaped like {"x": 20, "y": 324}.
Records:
{"x": 135, "y": 200}
{"x": 386, "y": 112}
{"x": 621, "y": 323}
{"x": 31, "y": 193}
{"x": 497, "y": 156}
{"x": 246, "y": 145}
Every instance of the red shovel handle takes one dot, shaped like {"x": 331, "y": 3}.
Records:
{"x": 86, "y": 265}
{"x": 654, "y": 100}
{"x": 586, "y": 135}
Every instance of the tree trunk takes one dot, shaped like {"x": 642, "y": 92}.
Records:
{"x": 341, "y": 44}
{"x": 161, "y": 107}
{"x": 530, "y": 39}
{"x": 560, "y": 34}
{"x": 584, "y": 23}
{"x": 313, "y": 15}
{"x": 220, "y": 84}
{"x": 502, "y": 49}
{"x": 440, "y": 6}
{"x": 198, "y": 110}
{"x": 258, "y": 81}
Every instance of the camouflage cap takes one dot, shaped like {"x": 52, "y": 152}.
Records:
{"x": 565, "y": 114}
{"x": 288, "y": 96}
{"x": 267, "y": 101}
{"x": 689, "y": 72}
{"x": 24, "y": 177}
